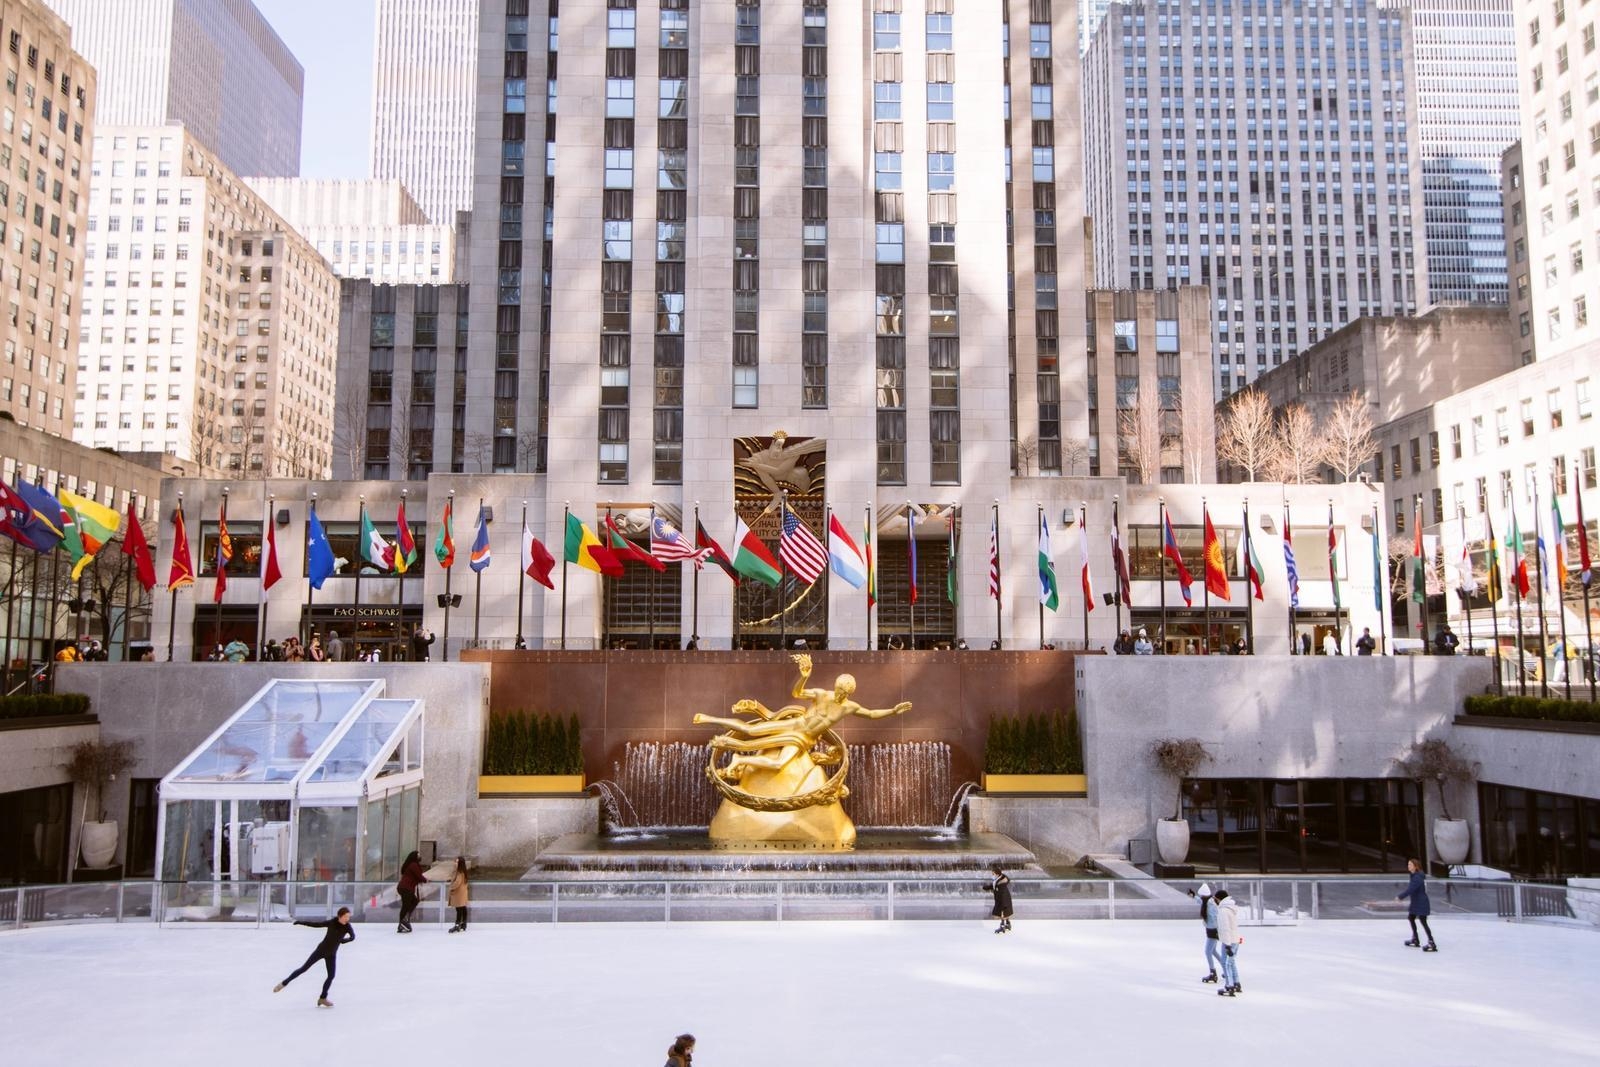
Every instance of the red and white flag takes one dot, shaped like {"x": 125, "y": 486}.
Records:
{"x": 994, "y": 555}
{"x": 800, "y": 549}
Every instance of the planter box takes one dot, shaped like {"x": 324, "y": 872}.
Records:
{"x": 1035, "y": 783}
{"x": 528, "y": 784}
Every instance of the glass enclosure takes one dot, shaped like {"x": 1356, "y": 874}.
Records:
{"x": 310, "y": 780}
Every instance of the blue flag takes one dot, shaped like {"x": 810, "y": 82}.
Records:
{"x": 319, "y": 555}
{"x": 31, "y": 516}
{"x": 480, "y": 545}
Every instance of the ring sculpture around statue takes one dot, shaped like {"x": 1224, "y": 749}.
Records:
{"x": 830, "y": 750}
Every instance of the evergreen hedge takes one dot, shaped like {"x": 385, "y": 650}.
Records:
{"x": 1522, "y": 707}
{"x": 41, "y": 705}
{"x": 1034, "y": 743}
{"x": 522, "y": 742}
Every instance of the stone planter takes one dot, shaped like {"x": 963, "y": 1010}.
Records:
{"x": 1035, "y": 783}
{"x": 1452, "y": 840}
{"x": 97, "y": 841}
{"x": 528, "y": 784}
{"x": 1172, "y": 841}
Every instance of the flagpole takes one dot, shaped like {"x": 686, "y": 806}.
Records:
{"x": 1000, "y": 586}
{"x": 261, "y": 593}
{"x": 867, "y": 527}
{"x": 33, "y": 628}
{"x": 1538, "y": 598}
{"x": 450, "y": 503}
{"x": 11, "y": 600}
{"x": 1379, "y": 578}
{"x": 1249, "y": 585}
{"x": 911, "y": 558}
{"x": 172, "y": 611}
{"x": 1522, "y": 674}
{"x": 953, "y": 581}
{"x": 606, "y": 603}
{"x": 361, "y": 551}
{"x": 1559, "y": 550}
{"x": 221, "y": 566}
{"x": 477, "y": 594}
{"x": 1205, "y": 517}
{"x": 127, "y": 584}
{"x": 305, "y": 623}
{"x": 1083, "y": 529}
{"x": 1333, "y": 578}
{"x": 1591, "y": 664}
{"x": 521, "y": 572}
{"x": 566, "y": 513}
{"x": 1494, "y": 601}
{"x": 1038, "y": 522}
{"x": 1424, "y": 565}
{"x": 783, "y": 571}
{"x": 55, "y": 598}
{"x": 651, "y": 578}
{"x": 1466, "y": 579}
{"x": 1161, "y": 532}
{"x": 827, "y": 536}
{"x": 694, "y": 619}
{"x": 1116, "y": 575}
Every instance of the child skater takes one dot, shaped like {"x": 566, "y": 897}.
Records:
{"x": 1416, "y": 891}
{"x": 338, "y": 933}
{"x": 458, "y": 895}
{"x": 1001, "y": 888}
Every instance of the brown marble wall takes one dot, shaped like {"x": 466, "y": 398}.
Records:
{"x": 638, "y": 696}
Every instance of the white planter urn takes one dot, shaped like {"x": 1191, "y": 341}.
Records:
{"x": 1452, "y": 840}
{"x": 1172, "y": 840}
{"x": 98, "y": 843}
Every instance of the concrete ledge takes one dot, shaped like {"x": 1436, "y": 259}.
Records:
{"x": 1057, "y": 829}
{"x": 512, "y": 831}
{"x": 1501, "y": 722}
{"x": 44, "y": 721}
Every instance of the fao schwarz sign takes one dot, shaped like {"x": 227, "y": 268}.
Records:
{"x": 365, "y": 612}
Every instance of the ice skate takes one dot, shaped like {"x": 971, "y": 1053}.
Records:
{"x": 1413, "y": 943}
{"x": 1430, "y": 947}
{"x": 1226, "y": 992}
{"x": 324, "y": 1002}
{"x": 278, "y": 988}
{"x": 1237, "y": 989}
{"x": 1212, "y": 978}
{"x": 457, "y": 929}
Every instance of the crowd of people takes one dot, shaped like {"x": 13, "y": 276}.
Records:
{"x": 335, "y": 650}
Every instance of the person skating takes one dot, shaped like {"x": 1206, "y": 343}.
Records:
{"x": 1208, "y": 916}
{"x": 338, "y": 932}
{"x": 1000, "y": 886}
{"x": 411, "y": 877}
{"x": 1228, "y": 935}
{"x": 458, "y": 895}
{"x": 1416, "y": 893}
{"x": 681, "y": 1054}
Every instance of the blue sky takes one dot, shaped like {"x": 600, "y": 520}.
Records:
{"x": 333, "y": 41}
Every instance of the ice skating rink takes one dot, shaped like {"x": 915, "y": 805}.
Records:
{"x": 765, "y": 994}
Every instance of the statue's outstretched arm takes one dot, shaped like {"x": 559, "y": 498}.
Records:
{"x": 802, "y": 660}
{"x": 882, "y": 713}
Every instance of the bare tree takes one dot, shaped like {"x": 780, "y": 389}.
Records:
{"x": 1297, "y": 456}
{"x": 1197, "y": 425}
{"x": 1348, "y": 433}
{"x": 107, "y": 582}
{"x": 1073, "y": 455}
{"x": 1245, "y": 433}
{"x": 401, "y": 427}
{"x": 528, "y": 449}
{"x": 1024, "y": 453}
{"x": 1140, "y": 438}
{"x": 350, "y": 430}
{"x": 478, "y": 448}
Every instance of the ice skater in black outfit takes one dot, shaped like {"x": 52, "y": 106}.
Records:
{"x": 338, "y": 933}
{"x": 1001, "y": 888}
{"x": 1416, "y": 892}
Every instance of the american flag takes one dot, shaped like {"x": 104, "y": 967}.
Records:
{"x": 994, "y": 556}
{"x": 668, "y": 545}
{"x": 800, "y": 549}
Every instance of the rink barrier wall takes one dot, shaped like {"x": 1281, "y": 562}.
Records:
{"x": 1264, "y": 901}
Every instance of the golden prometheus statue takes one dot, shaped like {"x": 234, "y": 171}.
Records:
{"x": 784, "y": 777}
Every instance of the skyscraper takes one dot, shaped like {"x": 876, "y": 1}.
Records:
{"x": 216, "y": 66}
{"x": 1465, "y": 74}
{"x": 424, "y": 85}
{"x": 45, "y": 144}
{"x": 1267, "y": 153}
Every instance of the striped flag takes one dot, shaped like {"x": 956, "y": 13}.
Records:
{"x": 1585, "y": 568}
{"x": 800, "y": 549}
{"x": 1469, "y": 580}
{"x": 713, "y": 551}
{"x": 911, "y": 548}
{"x": 1119, "y": 561}
{"x": 481, "y": 555}
{"x": 1558, "y": 542}
{"x": 952, "y": 573}
{"x": 844, "y": 556}
{"x": 224, "y": 552}
{"x": 668, "y": 545}
{"x": 1495, "y": 588}
{"x": 1169, "y": 548}
{"x": 1333, "y": 558}
{"x": 1250, "y": 562}
{"x": 1419, "y": 564}
{"x": 994, "y": 555}
{"x": 1546, "y": 571}
{"x": 1288, "y": 562}
{"x": 872, "y": 572}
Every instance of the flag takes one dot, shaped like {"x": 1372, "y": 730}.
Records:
{"x": 1377, "y": 571}
{"x": 137, "y": 549}
{"x": 1216, "y": 568}
{"x": 952, "y": 564}
{"x": 1494, "y": 588}
{"x": 994, "y": 554}
{"x": 624, "y": 549}
{"x": 536, "y": 559}
{"x": 182, "y": 572}
{"x": 1558, "y": 544}
{"x": 319, "y": 554}
{"x": 95, "y": 525}
{"x": 1585, "y": 567}
{"x": 270, "y": 573}
{"x": 1469, "y": 580}
{"x": 1169, "y": 548}
{"x": 374, "y": 549}
{"x": 1519, "y": 565}
{"x": 405, "y": 546}
{"x": 480, "y": 556}
{"x": 1250, "y": 562}
{"x": 750, "y": 556}
{"x": 582, "y": 547}
{"x": 911, "y": 548}
{"x": 224, "y": 552}
{"x": 1288, "y": 562}
{"x": 1333, "y": 558}
{"x": 1048, "y": 594}
{"x": 1419, "y": 565}
{"x": 32, "y": 517}
{"x": 844, "y": 556}
{"x": 872, "y": 572}
{"x": 1541, "y": 546}
{"x": 714, "y": 552}
{"x": 1119, "y": 562}
{"x": 668, "y": 545}
{"x": 800, "y": 549}
{"x": 444, "y": 545}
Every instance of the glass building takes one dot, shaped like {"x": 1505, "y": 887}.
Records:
{"x": 309, "y": 781}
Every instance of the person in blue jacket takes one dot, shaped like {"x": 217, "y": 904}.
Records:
{"x": 1416, "y": 892}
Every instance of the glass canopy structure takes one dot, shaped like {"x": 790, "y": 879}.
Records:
{"x": 309, "y": 781}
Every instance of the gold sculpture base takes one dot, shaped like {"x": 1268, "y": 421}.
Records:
{"x": 815, "y": 826}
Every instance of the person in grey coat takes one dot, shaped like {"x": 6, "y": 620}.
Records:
{"x": 335, "y": 647}
{"x": 1416, "y": 893}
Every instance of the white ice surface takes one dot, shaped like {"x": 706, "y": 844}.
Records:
{"x": 825, "y": 994}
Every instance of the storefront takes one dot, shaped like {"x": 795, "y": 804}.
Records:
{"x": 1300, "y": 825}
{"x": 1547, "y": 836}
{"x": 384, "y": 628}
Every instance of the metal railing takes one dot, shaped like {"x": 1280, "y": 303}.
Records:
{"x": 1262, "y": 900}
